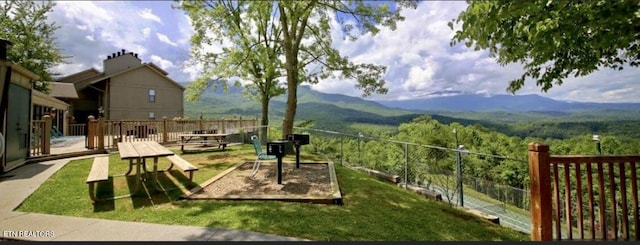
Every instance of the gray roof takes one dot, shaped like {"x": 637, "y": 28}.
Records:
{"x": 63, "y": 90}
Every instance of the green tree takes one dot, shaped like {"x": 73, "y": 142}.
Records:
{"x": 250, "y": 27}
{"x": 553, "y": 39}
{"x": 306, "y": 39}
{"x": 24, "y": 23}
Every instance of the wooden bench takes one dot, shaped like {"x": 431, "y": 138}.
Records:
{"x": 205, "y": 143}
{"x": 183, "y": 164}
{"x": 99, "y": 172}
{"x": 206, "y": 140}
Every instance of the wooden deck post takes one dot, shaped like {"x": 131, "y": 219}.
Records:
{"x": 540, "y": 184}
{"x": 100, "y": 133}
{"x": 91, "y": 132}
{"x": 46, "y": 135}
{"x": 164, "y": 130}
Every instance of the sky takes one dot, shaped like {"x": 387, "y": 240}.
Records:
{"x": 420, "y": 62}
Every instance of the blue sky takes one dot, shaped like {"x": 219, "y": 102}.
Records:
{"x": 420, "y": 63}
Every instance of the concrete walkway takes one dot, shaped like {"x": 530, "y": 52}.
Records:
{"x": 18, "y": 184}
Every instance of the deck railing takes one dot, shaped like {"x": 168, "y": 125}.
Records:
{"x": 37, "y": 135}
{"x": 107, "y": 133}
{"x": 76, "y": 129}
{"x": 583, "y": 197}
{"x": 40, "y": 143}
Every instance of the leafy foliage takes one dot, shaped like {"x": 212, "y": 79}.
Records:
{"x": 253, "y": 52}
{"x": 306, "y": 39}
{"x": 553, "y": 39}
{"x": 24, "y": 23}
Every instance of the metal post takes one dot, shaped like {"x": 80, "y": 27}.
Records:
{"x": 341, "y": 152}
{"x": 459, "y": 170}
{"x": 359, "y": 152}
{"x": 279, "y": 170}
{"x": 406, "y": 165}
{"x": 596, "y": 138}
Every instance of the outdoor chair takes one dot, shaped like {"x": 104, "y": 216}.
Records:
{"x": 259, "y": 155}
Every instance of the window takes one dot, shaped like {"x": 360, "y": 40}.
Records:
{"x": 152, "y": 95}
{"x": 152, "y": 115}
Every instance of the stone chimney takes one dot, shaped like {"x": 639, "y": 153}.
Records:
{"x": 4, "y": 48}
{"x": 120, "y": 61}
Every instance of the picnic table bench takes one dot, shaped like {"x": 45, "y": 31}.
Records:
{"x": 99, "y": 172}
{"x": 182, "y": 164}
{"x": 215, "y": 140}
{"x": 140, "y": 151}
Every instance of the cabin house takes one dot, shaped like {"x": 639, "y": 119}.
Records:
{"x": 126, "y": 89}
{"x": 15, "y": 110}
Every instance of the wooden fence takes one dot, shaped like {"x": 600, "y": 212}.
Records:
{"x": 76, "y": 129}
{"x": 103, "y": 134}
{"x": 583, "y": 197}
{"x": 40, "y": 138}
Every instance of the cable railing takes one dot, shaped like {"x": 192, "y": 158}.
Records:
{"x": 431, "y": 167}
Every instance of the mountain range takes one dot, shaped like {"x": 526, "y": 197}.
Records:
{"x": 457, "y": 103}
{"x": 505, "y": 103}
{"x": 519, "y": 115}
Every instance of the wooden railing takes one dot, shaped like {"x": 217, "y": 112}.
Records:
{"x": 40, "y": 137}
{"x": 76, "y": 129}
{"x": 107, "y": 133}
{"x": 566, "y": 191}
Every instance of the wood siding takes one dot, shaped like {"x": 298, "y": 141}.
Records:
{"x": 129, "y": 96}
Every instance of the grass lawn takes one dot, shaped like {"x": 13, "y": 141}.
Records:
{"x": 372, "y": 210}
{"x": 469, "y": 191}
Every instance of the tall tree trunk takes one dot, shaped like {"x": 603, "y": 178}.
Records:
{"x": 265, "y": 118}
{"x": 292, "y": 97}
{"x": 291, "y": 61}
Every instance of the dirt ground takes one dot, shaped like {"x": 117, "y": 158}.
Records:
{"x": 310, "y": 180}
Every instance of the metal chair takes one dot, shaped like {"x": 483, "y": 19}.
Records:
{"x": 259, "y": 155}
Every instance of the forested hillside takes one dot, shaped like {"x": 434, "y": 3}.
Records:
{"x": 339, "y": 112}
{"x": 494, "y": 156}
{"x": 498, "y": 133}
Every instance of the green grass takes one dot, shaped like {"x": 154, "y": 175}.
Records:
{"x": 372, "y": 210}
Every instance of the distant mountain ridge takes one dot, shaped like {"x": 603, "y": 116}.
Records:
{"x": 315, "y": 105}
{"x": 508, "y": 103}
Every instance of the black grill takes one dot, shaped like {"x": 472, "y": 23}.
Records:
{"x": 299, "y": 139}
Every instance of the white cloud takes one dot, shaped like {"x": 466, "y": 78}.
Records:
{"x": 87, "y": 12}
{"x": 421, "y": 76}
{"x": 184, "y": 28}
{"x": 420, "y": 62}
{"x": 163, "y": 38}
{"x": 148, "y": 15}
{"x": 146, "y": 32}
{"x": 115, "y": 25}
{"x": 64, "y": 68}
{"x": 193, "y": 71}
{"x": 163, "y": 63}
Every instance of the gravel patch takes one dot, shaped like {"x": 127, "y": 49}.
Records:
{"x": 310, "y": 180}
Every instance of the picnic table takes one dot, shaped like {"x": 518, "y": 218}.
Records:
{"x": 138, "y": 152}
{"x": 203, "y": 139}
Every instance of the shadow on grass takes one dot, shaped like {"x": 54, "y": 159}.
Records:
{"x": 182, "y": 178}
{"x": 218, "y": 167}
{"x": 147, "y": 194}
{"x": 105, "y": 194}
